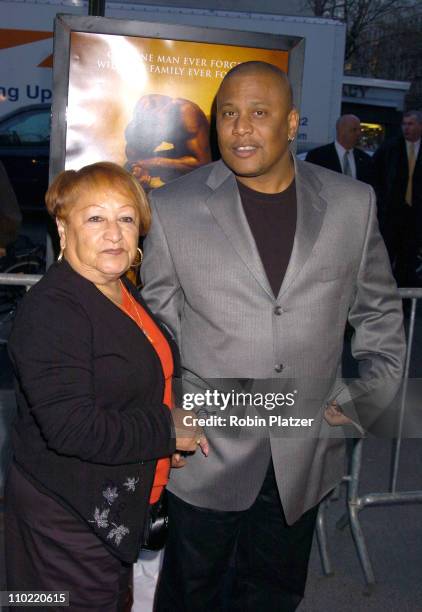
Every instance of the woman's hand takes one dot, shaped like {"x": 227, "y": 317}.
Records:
{"x": 177, "y": 461}
{"x": 188, "y": 437}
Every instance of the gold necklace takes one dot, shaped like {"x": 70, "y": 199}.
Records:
{"x": 138, "y": 319}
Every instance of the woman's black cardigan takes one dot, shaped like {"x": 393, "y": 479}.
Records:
{"x": 91, "y": 422}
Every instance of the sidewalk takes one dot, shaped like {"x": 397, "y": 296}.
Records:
{"x": 394, "y": 539}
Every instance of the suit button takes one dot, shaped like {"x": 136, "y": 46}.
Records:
{"x": 278, "y": 310}
{"x": 278, "y": 368}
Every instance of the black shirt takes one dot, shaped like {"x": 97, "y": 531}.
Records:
{"x": 272, "y": 219}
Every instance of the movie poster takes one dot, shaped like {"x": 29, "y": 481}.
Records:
{"x": 146, "y": 103}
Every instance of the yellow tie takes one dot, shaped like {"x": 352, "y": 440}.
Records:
{"x": 411, "y": 163}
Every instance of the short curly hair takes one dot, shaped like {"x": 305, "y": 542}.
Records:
{"x": 70, "y": 185}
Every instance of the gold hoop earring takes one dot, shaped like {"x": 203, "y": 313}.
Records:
{"x": 138, "y": 259}
{"x": 60, "y": 257}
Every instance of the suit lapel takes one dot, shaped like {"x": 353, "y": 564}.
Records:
{"x": 226, "y": 207}
{"x": 417, "y": 172}
{"x": 310, "y": 215}
{"x": 419, "y": 155}
{"x": 336, "y": 161}
{"x": 361, "y": 163}
{"x": 357, "y": 162}
{"x": 403, "y": 161}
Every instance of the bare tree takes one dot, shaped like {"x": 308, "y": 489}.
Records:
{"x": 358, "y": 15}
{"x": 393, "y": 50}
{"x": 383, "y": 39}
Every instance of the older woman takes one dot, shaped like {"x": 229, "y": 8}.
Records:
{"x": 93, "y": 375}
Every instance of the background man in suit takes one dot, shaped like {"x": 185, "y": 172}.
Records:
{"x": 398, "y": 174}
{"x": 10, "y": 214}
{"x": 342, "y": 154}
{"x": 252, "y": 264}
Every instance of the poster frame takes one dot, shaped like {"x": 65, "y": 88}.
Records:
{"x": 64, "y": 25}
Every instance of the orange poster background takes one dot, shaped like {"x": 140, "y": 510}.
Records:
{"x": 109, "y": 73}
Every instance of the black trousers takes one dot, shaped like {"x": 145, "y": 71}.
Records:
{"x": 245, "y": 561}
{"x": 401, "y": 238}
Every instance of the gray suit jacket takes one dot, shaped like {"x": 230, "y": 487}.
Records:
{"x": 203, "y": 276}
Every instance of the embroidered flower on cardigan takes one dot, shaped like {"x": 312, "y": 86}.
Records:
{"x": 101, "y": 517}
{"x": 110, "y": 494}
{"x": 131, "y": 483}
{"x": 117, "y": 533}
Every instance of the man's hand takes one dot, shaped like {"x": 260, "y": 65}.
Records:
{"x": 142, "y": 174}
{"x": 188, "y": 437}
{"x": 334, "y": 415}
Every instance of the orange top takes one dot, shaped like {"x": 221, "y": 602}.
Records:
{"x": 139, "y": 315}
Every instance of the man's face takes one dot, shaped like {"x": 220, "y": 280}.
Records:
{"x": 349, "y": 133}
{"x": 254, "y": 122}
{"x": 412, "y": 129}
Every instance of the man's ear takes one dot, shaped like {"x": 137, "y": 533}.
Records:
{"x": 293, "y": 123}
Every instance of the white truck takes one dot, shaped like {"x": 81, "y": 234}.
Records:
{"x": 26, "y": 46}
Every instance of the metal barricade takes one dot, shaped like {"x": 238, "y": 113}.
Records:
{"x": 25, "y": 280}
{"x": 355, "y": 502}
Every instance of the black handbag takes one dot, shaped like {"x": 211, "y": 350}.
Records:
{"x": 156, "y": 524}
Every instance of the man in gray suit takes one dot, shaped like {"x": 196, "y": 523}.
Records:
{"x": 256, "y": 262}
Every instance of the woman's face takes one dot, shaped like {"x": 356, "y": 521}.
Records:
{"x": 100, "y": 235}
